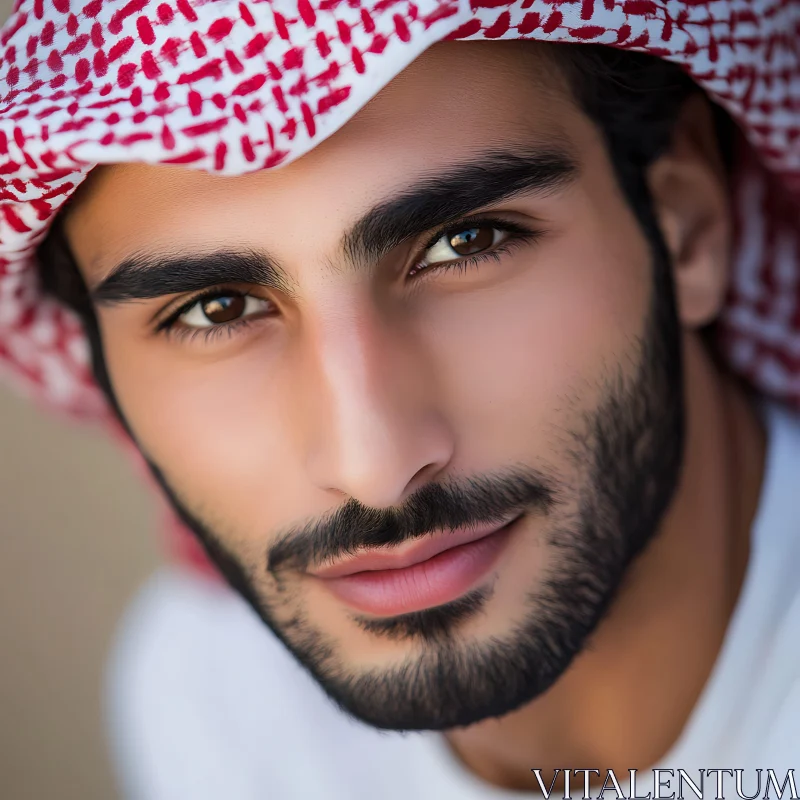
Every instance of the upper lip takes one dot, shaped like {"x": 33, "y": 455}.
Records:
{"x": 415, "y": 552}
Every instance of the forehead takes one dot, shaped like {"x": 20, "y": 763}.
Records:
{"x": 454, "y": 100}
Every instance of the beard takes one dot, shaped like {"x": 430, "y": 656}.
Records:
{"x": 628, "y": 449}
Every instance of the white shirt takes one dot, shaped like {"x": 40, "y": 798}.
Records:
{"x": 206, "y": 704}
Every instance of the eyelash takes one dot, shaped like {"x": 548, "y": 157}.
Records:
{"x": 517, "y": 236}
{"x": 170, "y": 329}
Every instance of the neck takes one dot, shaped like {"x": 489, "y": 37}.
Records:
{"x": 622, "y": 703}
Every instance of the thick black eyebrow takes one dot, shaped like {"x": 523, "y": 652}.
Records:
{"x": 432, "y": 201}
{"x": 492, "y": 177}
{"x": 144, "y": 277}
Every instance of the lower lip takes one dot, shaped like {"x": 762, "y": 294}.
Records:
{"x": 440, "y": 579}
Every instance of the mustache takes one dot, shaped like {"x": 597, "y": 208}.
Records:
{"x": 435, "y": 506}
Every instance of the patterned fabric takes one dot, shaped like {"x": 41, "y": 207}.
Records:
{"x": 234, "y": 86}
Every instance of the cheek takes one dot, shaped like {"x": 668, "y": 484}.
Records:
{"x": 528, "y": 355}
{"x": 214, "y": 428}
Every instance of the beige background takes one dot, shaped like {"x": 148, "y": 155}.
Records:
{"x": 77, "y": 536}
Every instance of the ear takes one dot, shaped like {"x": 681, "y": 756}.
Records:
{"x": 690, "y": 196}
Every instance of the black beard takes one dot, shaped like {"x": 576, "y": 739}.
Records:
{"x": 631, "y": 447}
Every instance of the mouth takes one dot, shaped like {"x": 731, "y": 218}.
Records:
{"x": 428, "y": 572}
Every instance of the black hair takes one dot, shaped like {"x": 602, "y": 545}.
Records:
{"x": 633, "y": 98}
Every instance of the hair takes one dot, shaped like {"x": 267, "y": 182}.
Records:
{"x": 633, "y": 98}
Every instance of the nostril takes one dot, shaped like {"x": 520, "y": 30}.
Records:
{"x": 424, "y": 475}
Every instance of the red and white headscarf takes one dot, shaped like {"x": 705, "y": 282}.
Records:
{"x": 234, "y": 86}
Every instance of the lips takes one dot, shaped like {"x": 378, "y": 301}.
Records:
{"x": 424, "y": 573}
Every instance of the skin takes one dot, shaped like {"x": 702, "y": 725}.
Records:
{"x": 362, "y": 385}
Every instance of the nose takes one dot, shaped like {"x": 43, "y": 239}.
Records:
{"x": 376, "y": 428}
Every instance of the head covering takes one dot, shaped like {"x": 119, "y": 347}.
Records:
{"x": 234, "y": 86}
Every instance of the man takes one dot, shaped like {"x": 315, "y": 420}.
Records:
{"x": 443, "y": 399}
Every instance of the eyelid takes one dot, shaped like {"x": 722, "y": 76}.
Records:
{"x": 211, "y": 333}
{"x": 490, "y": 218}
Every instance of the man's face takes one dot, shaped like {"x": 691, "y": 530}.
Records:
{"x": 444, "y": 325}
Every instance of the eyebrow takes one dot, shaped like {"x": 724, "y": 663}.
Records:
{"x": 432, "y": 201}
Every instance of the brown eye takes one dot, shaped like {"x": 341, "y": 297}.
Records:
{"x": 472, "y": 240}
{"x": 224, "y": 309}
{"x": 463, "y": 243}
